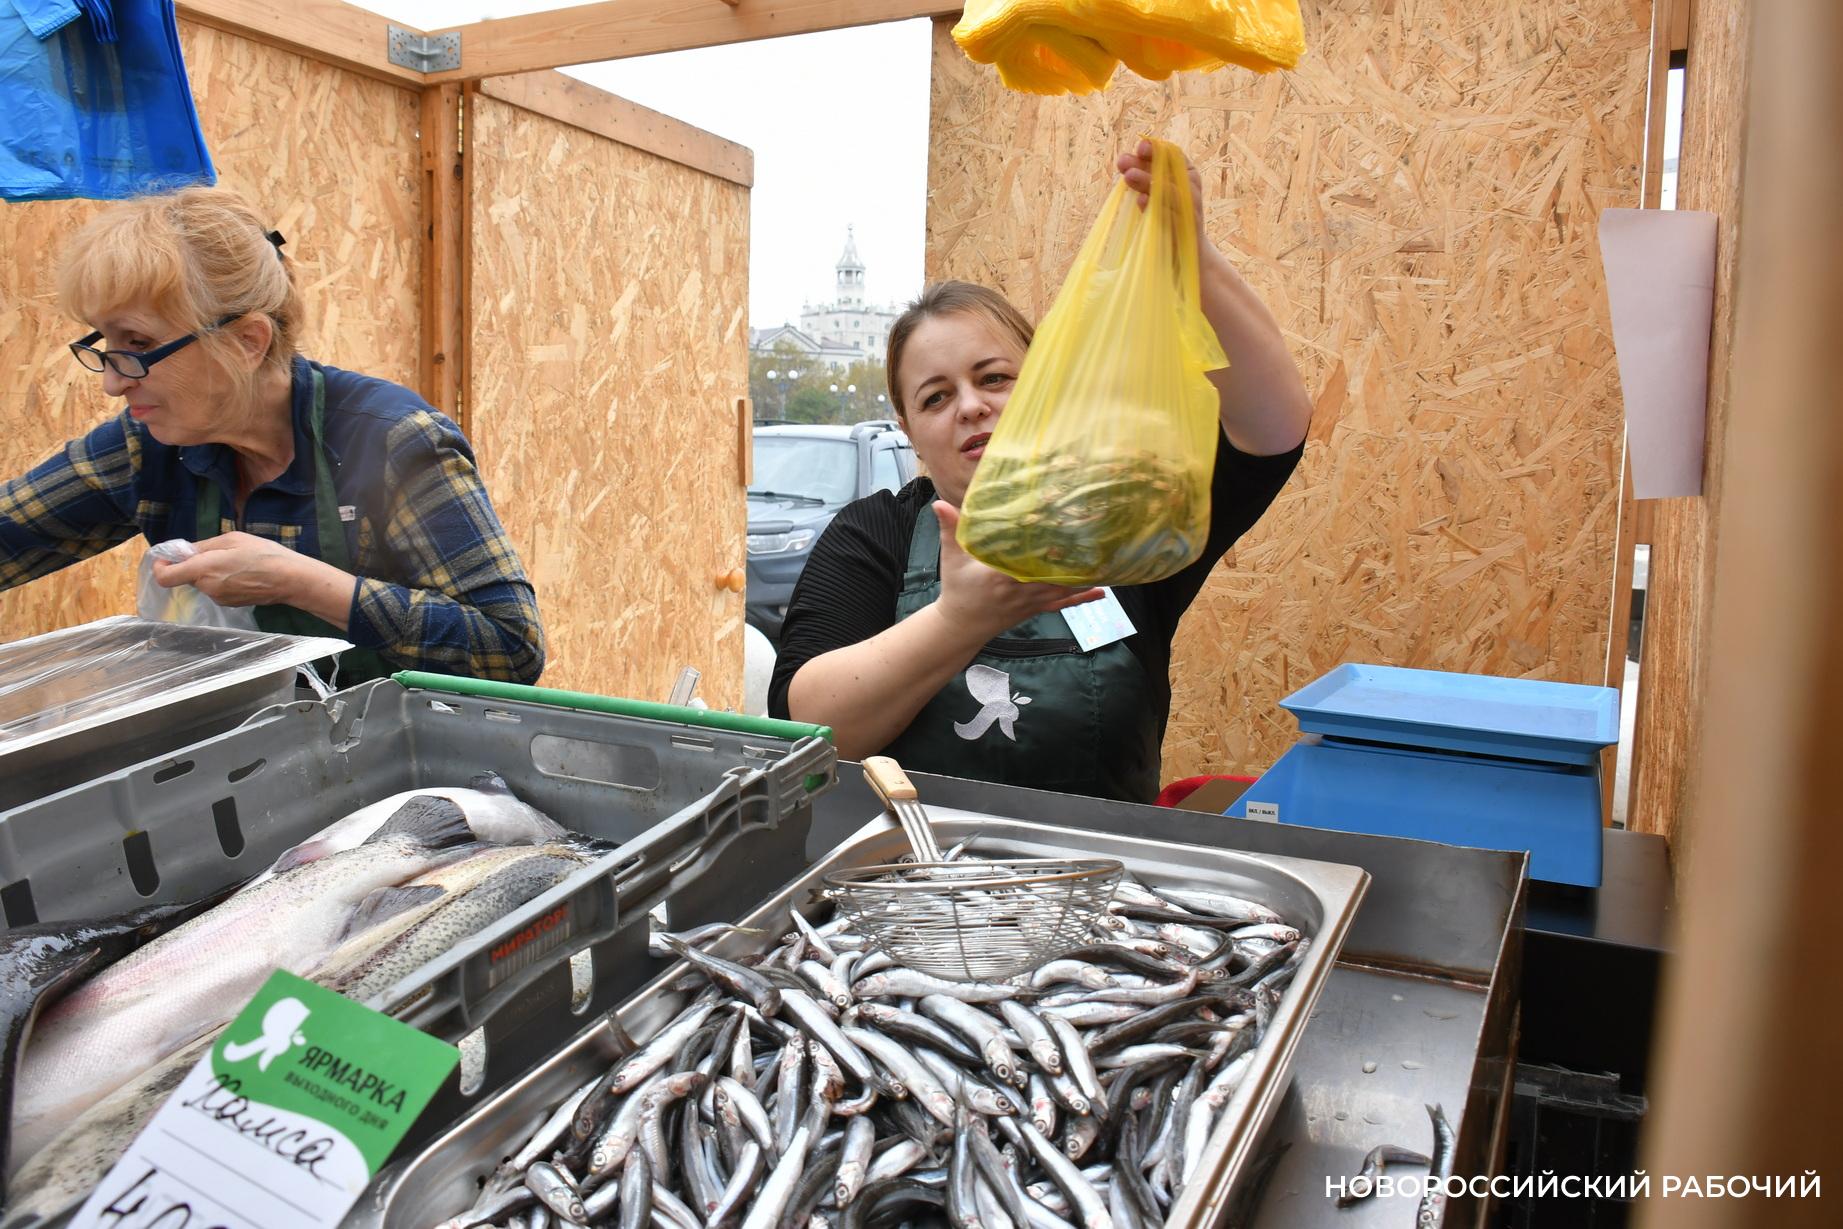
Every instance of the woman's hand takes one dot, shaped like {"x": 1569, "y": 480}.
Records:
{"x": 975, "y": 596}
{"x": 236, "y": 569}
{"x": 1262, "y": 399}
{"x": 1135, "y": 166}
{"x": 241, "y": 569}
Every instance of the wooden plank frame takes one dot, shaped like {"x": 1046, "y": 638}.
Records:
{"x": 595, "y": 110}
{"x": 618, "y": 29}
{"x": 357, "y": 39}
{"x": 326, "y": 30}
{"x": 1632, "y": 530}
{"x": 444, "y": 221}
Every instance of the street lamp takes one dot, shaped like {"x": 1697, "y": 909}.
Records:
{"x": 844, "y": 398}
{"x": 782, "y": 379}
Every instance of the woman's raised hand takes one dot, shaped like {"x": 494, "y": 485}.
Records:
{"x": 1135, "y": 166}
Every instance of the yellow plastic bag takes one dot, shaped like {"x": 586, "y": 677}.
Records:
{"x": 1073, "y": 46}
{"x": 1098, "y": 472}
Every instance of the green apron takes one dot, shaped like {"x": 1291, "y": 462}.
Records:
{"x": 355, "y": 665}
{"x": 1032, "y": 709}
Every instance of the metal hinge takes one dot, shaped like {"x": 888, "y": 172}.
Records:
{"x": 425, "y": 53}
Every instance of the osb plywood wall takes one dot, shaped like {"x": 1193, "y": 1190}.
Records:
{"x": 1417, "y": 204}
{"x": 1680, "y": 590}
{"x": 607, "y": 353}
{"x": 333, "y": 158}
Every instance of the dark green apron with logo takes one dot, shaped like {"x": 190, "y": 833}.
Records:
{"x": 1032, "y": 709}
{"x": 355, "y": 665}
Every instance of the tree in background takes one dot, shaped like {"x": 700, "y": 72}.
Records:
{"x": 818, "y": 394}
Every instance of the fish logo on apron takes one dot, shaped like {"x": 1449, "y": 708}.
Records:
{"x": 992, "y": 688}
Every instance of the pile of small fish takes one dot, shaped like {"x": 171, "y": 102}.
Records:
{"x": 824, "y": 1084}
{"x": 357, "y": 907}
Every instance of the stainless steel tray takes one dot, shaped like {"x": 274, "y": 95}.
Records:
{"x": 1320, "y": 897}
{"x": 79, "y": 703}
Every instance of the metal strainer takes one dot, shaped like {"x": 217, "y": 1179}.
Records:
{"x": 968, "y": 920}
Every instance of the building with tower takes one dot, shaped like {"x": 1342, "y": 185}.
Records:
{"x": 841, "y": 332}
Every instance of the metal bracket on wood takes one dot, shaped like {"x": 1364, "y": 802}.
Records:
{"x": 424, "y": 53}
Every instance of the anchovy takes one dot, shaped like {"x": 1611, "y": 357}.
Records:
{"x": 1081, "y": 1066}
{"x": 660, "y": 1050}
{"x": 896, "y": 1160}
{"x": 962, "y": 1204}
{"x": 910, "y": 1071}
{"x": 822, "y": 980}
{"x": 916, "y": 1029}
{"x": 980, "y": 1029}
{"x": 813, "y": 938}
{"x": 1150, "y": 995}
{"x": 555, "y": 1191}
{"x": 748, "y": 1172}
{"x": 652, "y": 1125}
{"x": 697, "y": 936}
{"x": 1432, "y": 1210}
{"x": 1218, "y": 904}
{"x": 827, "y": 1073}
{"x": 1133, "y": 1056}
{"x": 739, "y": 981}
{"x": 1090, "y": 1014}
{"x": 815, "y": 1021}
{"x": 787, "y": 1098}
{"x": 636, "y": 1192}
{"x": 1375, "y": 1163}
{"x": 1042, "y": 1104}
{"x": 618, "y": 1135}
{"x": 765, "y": 1212}
{"x": 553, "y": 1130}
{"x": 1068, "y": 1093}
{"x": 1069, "y": 970}
{"x": 1035, "y": 1033}
{"x": 972, "y": 1091}
{"x": 1081, "y": 1194}
{"x": 740, "y": 1107}
{"x": 770, "y": 1141}
{"x": 1079, "y": 1135}
{"x": 854, "y": 1160}
{"x": 899, "y": 983}
{"x": 1156, "y": 963}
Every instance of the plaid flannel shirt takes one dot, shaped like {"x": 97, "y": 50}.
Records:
{"x": 440, "y": 587}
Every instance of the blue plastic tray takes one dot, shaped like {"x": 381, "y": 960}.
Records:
{"x": 1524, "y": 719}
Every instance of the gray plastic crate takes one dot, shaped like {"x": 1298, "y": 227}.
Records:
{"x": 698, "y": 809}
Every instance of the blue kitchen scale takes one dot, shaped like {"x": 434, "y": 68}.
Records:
{"x": 1464, "y": 759}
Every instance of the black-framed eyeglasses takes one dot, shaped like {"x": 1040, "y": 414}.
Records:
{"x": 133, "y": 364}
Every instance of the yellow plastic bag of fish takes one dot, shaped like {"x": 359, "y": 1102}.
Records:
{"x": 1073, "y": 46}
{"x": 1098, "y": 472}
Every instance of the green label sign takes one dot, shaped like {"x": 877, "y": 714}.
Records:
{"x": 283, "y": 1123}
{"x": 304, "y": 1049}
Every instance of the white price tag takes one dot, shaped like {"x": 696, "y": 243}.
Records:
{"x": 1098, "y": 623}
{"x": 1269, "y": 811}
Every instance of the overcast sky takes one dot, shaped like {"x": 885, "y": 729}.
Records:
{"x": 839, "y": 126}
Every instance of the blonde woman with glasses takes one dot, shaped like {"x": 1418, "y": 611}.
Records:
{"x": 330, "y": 502}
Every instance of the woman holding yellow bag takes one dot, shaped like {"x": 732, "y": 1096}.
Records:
{"x": 906, "y": 645}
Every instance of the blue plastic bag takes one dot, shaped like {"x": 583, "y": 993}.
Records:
{"x": 97, "y": 108}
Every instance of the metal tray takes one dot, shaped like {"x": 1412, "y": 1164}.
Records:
{"x": 84, "y": 701}
{"x": 1526, "y": 719}
{"x": 1321, "y": 897}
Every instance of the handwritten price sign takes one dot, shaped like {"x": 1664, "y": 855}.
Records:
{"x": 298, "y": 1103}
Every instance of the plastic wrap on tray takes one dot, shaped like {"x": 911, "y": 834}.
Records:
{"x": 66, "y": 681}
